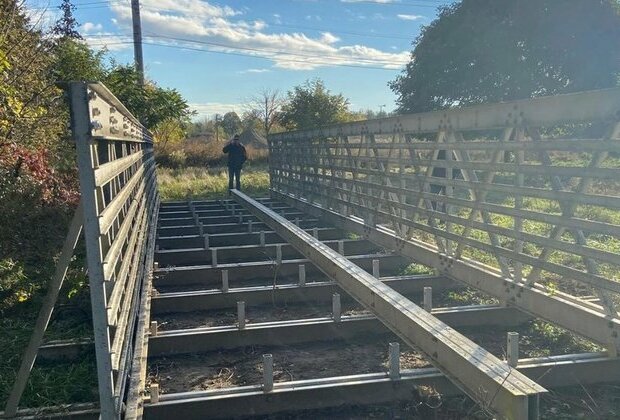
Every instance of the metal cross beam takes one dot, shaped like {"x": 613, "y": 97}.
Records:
{"x": 481, "y": 375}
{"x": 377, "y": 388}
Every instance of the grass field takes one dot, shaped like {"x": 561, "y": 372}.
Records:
{"x": 196, "y": 182}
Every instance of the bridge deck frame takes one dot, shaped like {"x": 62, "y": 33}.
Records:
{"x": 505, "y": 391}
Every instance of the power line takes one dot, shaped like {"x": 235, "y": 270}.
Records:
{"x": 262, "y": 50}
{"x": 366, "y": 35}
{"x": 380, "y": 3}
{"x": 179, "y": 47}
{"x": 233, "y": 47}
{"x": 94, "y": 5}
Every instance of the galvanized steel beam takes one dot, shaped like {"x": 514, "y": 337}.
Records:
{"x": 473, "y": 369}
{"x": 286, "y": 333}
{"x": 260, "y": 271}
{"x": 238, "y": 238}
{"x": 202, "y": 300}
{"x": 373, "y": 388}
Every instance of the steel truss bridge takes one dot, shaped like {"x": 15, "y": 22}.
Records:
{"x": 519, "y": 201}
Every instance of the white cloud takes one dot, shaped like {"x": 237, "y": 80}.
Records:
{"x": 410, "y": 17}
{"x": 108, "y": 40}
{"x": 198, "y": 24}
{"x": 209, "y": 109}
{"x": 90, "y": 27}
{"x": 253, "y": 71}
{"x": 329, "y": 38}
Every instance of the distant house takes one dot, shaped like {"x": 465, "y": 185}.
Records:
{"x": 251, "y": 137}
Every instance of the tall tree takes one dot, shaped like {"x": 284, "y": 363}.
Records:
{"x": 74, "y": 60}
{"x": 28, "y": 95}
{"x": 169, "y": 132}
{"x": 312, "y": 105}
{"x": 495, "y": 50}
{"x": 231, "y": 123}
{"x": 152, "y": 104}
{"x": 66, "y": 26}
{"x": 266, "y": 107}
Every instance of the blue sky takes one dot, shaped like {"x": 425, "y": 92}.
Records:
{"x": 218, "y": 54}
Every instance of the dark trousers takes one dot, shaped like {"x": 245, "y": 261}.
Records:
{"x": 234, "y": 173}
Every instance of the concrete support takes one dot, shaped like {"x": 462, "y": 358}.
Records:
{"x": 267, "y": 372}
{"x": 394, "y": 361}
{"x": 225, "y": 281}
{"x": 154, "y": 393}
{"x": 512, "y": 349}
{"x": 214, "y": 257}
{"x": 241, "y": 315}
{"x": 428, "y": 299}
{"x": 336, "y": 307}
{"x": 375, "y": 269}
{"x": 302, "y": 275}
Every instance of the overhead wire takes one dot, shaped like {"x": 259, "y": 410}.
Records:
{"x": 292, "y": 60}
{"x": 264, "y": 50}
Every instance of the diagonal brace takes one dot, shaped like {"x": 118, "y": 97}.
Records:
{"x": 486, "y": 379}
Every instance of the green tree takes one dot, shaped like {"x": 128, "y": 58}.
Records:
{"x": 75, "y": 60}
{"x": 66, "y": 26}
{"x": 169, "y": 132}
{"x": 312, "y": 105}
{"x": 28, "y": 95}
{"x": 151, "y": 104}
{"x": 495, "y": 50}
{"x": 231, "y": 123}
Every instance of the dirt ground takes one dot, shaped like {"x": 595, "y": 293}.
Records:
{"x": 243, "y": 366}
{"x": 276, "y": 312}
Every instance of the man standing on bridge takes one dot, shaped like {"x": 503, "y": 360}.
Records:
{"x": 237, "y": 156}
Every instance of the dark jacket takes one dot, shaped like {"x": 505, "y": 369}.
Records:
{"x": 236, "y": 154}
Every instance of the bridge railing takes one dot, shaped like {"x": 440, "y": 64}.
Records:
{"x": 120, "y": 202}
{"x": 528, "y": 191}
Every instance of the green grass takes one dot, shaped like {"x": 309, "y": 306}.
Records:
{"x": 201, "y": 183}
{"x": 416, "y": 269}
{"x": 49, "y": 383}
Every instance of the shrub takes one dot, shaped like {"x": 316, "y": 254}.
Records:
{"x": 202, "y": 154}
{"x": 35, "y": 204}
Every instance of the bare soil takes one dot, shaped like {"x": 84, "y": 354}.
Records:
{"x": 243, "y": 366}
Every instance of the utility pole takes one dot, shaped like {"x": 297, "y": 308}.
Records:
{"x": 137, "y": 40}
{"x": 266, "y": 115}
{"x": 217, "y": 131}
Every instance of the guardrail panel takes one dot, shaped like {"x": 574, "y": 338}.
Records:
{"x": 119, "y": 194}
{"x": 528, "y": 188}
